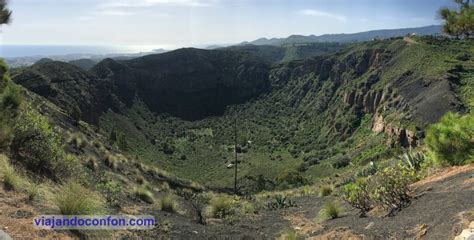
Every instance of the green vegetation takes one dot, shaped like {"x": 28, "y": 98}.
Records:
{"x": 168, "y": 204}
{"x": 280, "y": 202}
{"x": 144, "y": 194}
{"x": 458, "y": 23}
{"x": 222, "y": 206}
{"x": 387, "y": 188}
{"x": 451, "y": 140}
{"x": 413, "y": 160}
{"x": 11, "y": 178}
{"x": 330, "y": 210}
{"x": 326, "y": 190}
{"x": 290, "y": 179}
{"x": 288, "y": 234}
{"x": 39, "y": 148}
{"x": 5, "y": 13}
{"x": 111, "y": 190}
{"x": 74, "y": 199}
{"x": 358, "y": 195}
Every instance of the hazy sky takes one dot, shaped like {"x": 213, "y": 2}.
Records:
{"x": 171, "y": 23}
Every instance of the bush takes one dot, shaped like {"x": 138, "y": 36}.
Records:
{"x": 291, "y": 178}
{"x": 389, "y": 188}
{"x": 451, "y": 140}
{"x": 11, "y": 179}
{"x": 74, "y": 199}
{"x": 280, "y": 202}
{"x": 39, "y": 148}
{"x": 144, "y": 194}
{"x": 325, "y": 190}
{"x": 331, "y": 210}
{"x": 358, "y": 195}
{"x": 168, "y": 204}
{"x": 222, "y": 206}
{"x": 33, "y": 191}
{"x": 111, "y": 190}
{"x": 342, "y": 162}
{"x": 11, "y": 98}
{"x": 110, "y": 161}
{"x": 412, "y": 160}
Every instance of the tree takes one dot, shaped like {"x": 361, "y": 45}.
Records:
{"x": 459, "y": 23}
{"x": 5, "y": 13}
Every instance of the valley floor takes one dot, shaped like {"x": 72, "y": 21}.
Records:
{"x": 442, "y": 206}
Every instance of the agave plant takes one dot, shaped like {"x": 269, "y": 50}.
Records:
{"x": 412, "y": 160}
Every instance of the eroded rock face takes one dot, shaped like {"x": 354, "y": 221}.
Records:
{"x": 395, "y": 134}
{"x": 377, "y": 101}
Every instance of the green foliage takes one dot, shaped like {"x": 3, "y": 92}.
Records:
{"x": 221, "y": 206}
{"x": 451, "y": 140}
{"x": 330, "y": 210}
{"x": 74, "y": 199}
{"x": 341, "y": 162}
{"x": 326, "y": 190}
{"x": 32, "y": 190}
{"x": 168, "y": 204}
{"x": 5, "y": 13}
{"x": 144, "y": 194}
{"x": 111, "y": 190}
{"x": 11, "y": 178}
{"x": 280, "y": 202}
{"x": 39, "y": 148}
{"x": 288, "y": 234}
{"x": 413, "y": 160}
{"x": 11, "y": 98}
{"x": 459, "y": 22}
{"x": 358, "y": 196}
{"x": 291, "y": 178}
{"x": 75, "y": 113}
{"x": 389, "y": 188}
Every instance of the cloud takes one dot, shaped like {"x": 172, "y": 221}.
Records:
{"x": 317, "y": 13}
{"x": 149, "y": 3}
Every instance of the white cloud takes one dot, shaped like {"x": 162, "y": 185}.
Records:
{"x": 149, "y": 3}
{"x": 317, "y": 13}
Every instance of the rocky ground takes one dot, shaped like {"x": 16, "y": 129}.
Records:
{"x": 442, "y": 207}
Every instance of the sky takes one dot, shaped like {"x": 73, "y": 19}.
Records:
{"x": 178, "y": 23}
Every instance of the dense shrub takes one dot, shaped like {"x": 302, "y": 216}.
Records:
{"x": 74, "y": 199}
{"x": 387, "y": 189}
{"x": 452, "y": 139}
{"x": 221, "y": 206}
{"x": 39, "y": 148}
{"x": 358, "y": 195}
{"x": 11, "y": 98}
{"x": 291, "y": 178}
{"x": 342, "y": 162}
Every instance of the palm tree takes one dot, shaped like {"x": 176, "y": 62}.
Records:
{"x": 5, "y": 13}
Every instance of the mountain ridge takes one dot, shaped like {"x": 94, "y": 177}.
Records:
{"x": 349, "y": 37}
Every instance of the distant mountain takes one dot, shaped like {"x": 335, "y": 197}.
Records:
{"x": 288, "y": 52}
{"x": 84, "y": 63}
{"x": 190, "y": 83}
{"x": 347, "y": 38}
